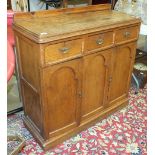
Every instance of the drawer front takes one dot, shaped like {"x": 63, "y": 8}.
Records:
{"x": 126, "y": 34}
{"x": 99, "y": 40}
{"x": 62, "y": 50}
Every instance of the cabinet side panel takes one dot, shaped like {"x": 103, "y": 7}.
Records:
{"x": 28, "y": 57}
{"x": 32, "y": 106}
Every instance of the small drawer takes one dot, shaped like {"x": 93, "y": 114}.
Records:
{"x": 99, "y": 40}
{"x": 126, "y": 34}
{"x": 63, "y": 50}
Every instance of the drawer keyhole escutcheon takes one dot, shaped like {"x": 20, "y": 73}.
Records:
{"x": 99, "y": 41}
{"x": 80, "y": 94}
{"x": 127, "y": 34}
{"x": 110, "y": 79}
{"x": 64, "y": 49}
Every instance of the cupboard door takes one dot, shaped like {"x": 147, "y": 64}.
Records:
{"x": 62, "y": 96}
{"x": 123, "y": 59}
{"x": 95, "y": 83}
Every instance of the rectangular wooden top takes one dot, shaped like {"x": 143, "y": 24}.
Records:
{"x": 45, "y": 26}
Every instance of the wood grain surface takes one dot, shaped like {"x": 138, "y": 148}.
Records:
{"x": 75, "y": 68}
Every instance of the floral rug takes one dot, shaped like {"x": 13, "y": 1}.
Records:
{"x": 123, "y": 133}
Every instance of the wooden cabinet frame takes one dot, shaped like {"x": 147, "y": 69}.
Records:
{"x": 68, "y": 84}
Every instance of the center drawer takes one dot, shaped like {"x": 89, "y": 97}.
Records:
{"x": 100, "y": 40}
{"x": 62, "y": 50}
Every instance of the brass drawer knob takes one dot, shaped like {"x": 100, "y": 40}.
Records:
{"x": 99, "y": 41}
{"x": 64, "y": 50}
{"x": 127, "y": 34}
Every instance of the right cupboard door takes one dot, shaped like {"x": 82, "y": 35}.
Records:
{"x": 95, "y": 83}
{"x": 123, "y": 59}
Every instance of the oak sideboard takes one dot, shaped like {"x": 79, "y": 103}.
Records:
{"x": 75, "y": 67}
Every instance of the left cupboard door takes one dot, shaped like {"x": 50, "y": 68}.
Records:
{"x": 62, "y": 97}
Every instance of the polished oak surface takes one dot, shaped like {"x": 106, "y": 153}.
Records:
{"x": 46, "y": 25}
{"x": 75, "y": 68}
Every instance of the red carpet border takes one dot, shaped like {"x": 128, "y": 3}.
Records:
{"x": 123, "y": 133}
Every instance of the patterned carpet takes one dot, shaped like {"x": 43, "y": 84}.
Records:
{"x": 123, "y": 133}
